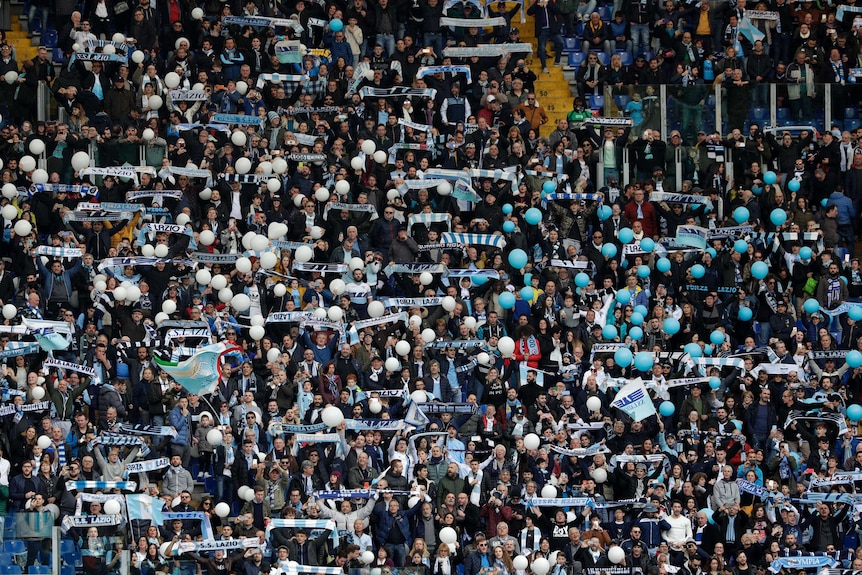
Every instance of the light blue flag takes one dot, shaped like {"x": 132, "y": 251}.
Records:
{"x": 634, "y": 401}
{"x": 692, "y": 236}
{"x": 142, "y": 506}
{"x": 750, "y": 31}
{"x": 200, "y": 373}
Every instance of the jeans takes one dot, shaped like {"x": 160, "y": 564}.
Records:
{"x": 765, "y": 332}
{"x": 158, "y": 420}
{"x": 586, "y": 8}
{"x": 760, "y": 96}
{"x": 223, "y": 489}
{"x": 398, "y": 553}
{"x": 623, "y": 46}
{"x": 640, "y": 38}
{"x": 802, "y": 106}
{"x": 435, "y": 40}
{"x": 388, "y": 43}
{"x": 43, "y": 17}
{"x": 556, "y": 39}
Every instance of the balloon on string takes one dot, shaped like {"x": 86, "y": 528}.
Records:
{"x": 533, "y": 216}
{"x": 599, "y": 475}
{"x": 714, "y": 382}
{"x": 214, "y": 437}
{"x": 27, "y": 163}
{"x": 44, "y": 442}
{"x": 647, "y": 245}
{"x": 644, "y": 361}
{"x": 759, "y": 270}
{"x": 10, "y": 192}
{"x": 549, "y": 490}
{"x": 741, "y": 214}
{"x": 745, "y": 313}
{"x": 9, "y": 311}
{"x": 793, "y": 185}
{"x": 666, "y": 408}
{"x": 518, "y": 258}
{"x": 507, "y": 300}
{"x": 636, "y": 333}
{"x": 38, "y": 392}
{"x": 520, "y": 563}
{"x": 155, "y": 102}
{"x": 448, "y": 535}
{"x": 671, "y": 326}
{"x": 540, "y": 566}
{"x": 609, "y": 250}
{"x": 507, "y": 209}
{"x": 9, "y": 212}
{"x": 444, "y": 188}
{"x": 36, "y": 146}
{"x": 693, "y": 350}
{"x": 811, "y": 306}
{"x": 367, "y": 557}
{"x": 626, "y": 235}
{"x": 770, "y": 177}
{"x": 479, "y": 280}
{"x": 806, "y": 253}
{"x": 604, "y": 212}
{"x": 332, "y": 416}
{"x": 697, "y": 271}
{"x": 717, "y": 337}
{"x": 740, "y": 246}
{"x": 778, "y": 216}
{"x": 508, "y": 226}
{"x": 623, "y": 357}
{"x": 23, "y": 228}
{"x": 242, "y": 166}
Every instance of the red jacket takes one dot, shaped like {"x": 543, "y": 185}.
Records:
{"x": 649, "y": 219}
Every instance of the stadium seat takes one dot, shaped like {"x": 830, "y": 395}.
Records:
{"x": 39, "y": 569}
{"x": 571, "y": 44}
{"x": 621, "y": 100}
{"x": 12, "y": 570}
{"x": 14, "y": 546}
{"x": 575, "y": 59}
{"x": 67, "y": 570}
{"x": 6, "y": 559}
{"x": 759, "y": 114}
{"x": 49, "y": 39}
{"x": 852, "y": 123}
{"x": 605, "y": 13}
{"x": 782, "y": 113}
{"x": 851, "y": 113}
{"x": 597, "y": 102}
{"x": 604, "y": 58}
{"x": 67, "y": 546}
{"x": 625, "y": 58}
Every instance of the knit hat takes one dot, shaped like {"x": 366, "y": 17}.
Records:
{"x": 271, "y": 116}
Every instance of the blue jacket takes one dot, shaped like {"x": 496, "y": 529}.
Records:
{"x": 48, "y": 278}
{"x": 845, "y": 208}
{"x": 385, "y": 522}
{"x": 180, "y": 422}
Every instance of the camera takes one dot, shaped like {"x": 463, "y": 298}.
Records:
{"x": 496, "y": 493}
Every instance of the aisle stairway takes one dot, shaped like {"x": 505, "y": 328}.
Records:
{"x": 552, "y": 90}
{"x": 25, "y": 48}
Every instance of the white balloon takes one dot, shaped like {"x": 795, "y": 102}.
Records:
{"x": 259, "y": 243}
{"x": 273, "y": 185}
{"x": 222, "y": 509}
{"x": 148, "y": 250}
{"x": 120, "y": 293}
{"x": 27, "y": 163}
{"x": 418, "y": 396}
{"x": 470, "y": 322}
{"x": 356, "y": 264}
{"x": 133, "y": 293}
{"x": 238, "y": 138}
{"x": 368, "y": 147}
{"x": 276, "y": 230}
{"x": 148, "y": 134}
{"x": 203, "y": 277}
{"x": 100, "y": 278}
{"x": 444, "y": 188}
{"x": 381, "y": 157}
{"x": 205, "y": 194}
{"x": 532, "y": 441}
{"x": 258, "y": 320}
{"x": 219, "y": 282}
{"x": 594, "y": 403}
{"x": 206, "y": 237}
{"x": 520, "y": 562}
{"x": 357, "y": 164}
{"x": 322, "y": 194}
{"x": 415, "y": 321}
{"x": 448, "y": 535}
{"x": 169, "y": 306}
{"x": 37, "y": 393}
{"x": 112, "y": 507}
{"x": 320, "y": 312}
{"x": 198, "y": 14}
{"x": 428, "y": 335}
{"x": 161, "y": 251}
{"x": 10, "y": 192}
{"x": 109, "y": 49}
{"x": 599, "y": 475}
{"x": 241, "y": 87}
{"x": 303, "y": 254}
{"x": 44, "y": 441}
{"x": 332, "y": 416}
{"x": 138, "y": 56}
{"x": 9, "y": 212}
{"x": 374, "y": 405}
{"x": 243, "y": 265}
{"x": 225, "y": 295}
{"x": 257, "y": 332}
{"x": 55, "y": 511}
{"x": 240, "y": 302}
{"x": 402, "y": 348}
{"x": 483, "y": 358}
{"x": 425, "y": 278}
{"x": 246, "y": 239}
{"x": 367, "y": 557}
{"x": 80, "y": 160}
{"x": 335, "y": 313}
{"x": 449, "y": 303}
{"x": 36, "y": 146}
{"x": 11, "y": 77}
{"x": 39, "y": 176}
{"x": 182, "y": 219}
{"x": 163, "y": 548}
{"x": 540, "y": 566}
{"x": 242, "y": 166}
{"x": 393, "y": 195}
{"x": 506, "y": 346}
{"x": 172, "y": 80}
{"x": 316, "y": 232}
{"x": 118, "y": 37}
{"x": 392, "y": 364}
{"x": 9, "y": 311}
{"x": 342, "y": 187}
{"x": 243, "y": 489}
{"x": 376, "y": 309}
{"x": 549, "y": 491}
{"x": 23, "y": 228}
{"x": 279, "y": 290}
{"x": 268, "y": 260}
{"x": 155, "y": 102}
{"x": 78, "y": 48}
{"x": 337, "y": 286}
{"x": 279, "y": 166}
{"x": 273, "y": 355}
{"x": 297, "y": 200}
{"x": 161, "y": 317}
{"x": 616, "y": 554}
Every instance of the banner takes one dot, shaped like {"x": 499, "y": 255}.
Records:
{"x": 415, "y": 126}
{"x": 602, "y": 121}
{"x": 188, "y": 95}
{"x": 207, "y": 258}
{"x": 389, "y": 318}
{"x": 98, "y": 57}
{"x": 101, "y": 485}
{"x": 428, "y": 220}
{"x": 24, "y": 408}
{"x": 802, "y": 562}
{"x": 578, "y": 265}
{"x": 147, "y": 465}
{"x": 584, "y": 452}
{"x": 693, "y": 236}
{"x": 282, "y": 428}
{"x": 398, "y": 92}
{"x": 288, "y": 316}
{"x": 359, "y": 493}
{"x": 78, "y": 521}
{"x": 238, "y": 119}
{"x": 486, "y": 50}
{"x": 298, "y": 157}
{"x": 455, "y": 69}
{"x": 674, "y": 198}
{"x": 819, "y": 417}
{"x": 496, "y": 241}
{"x": 411, "y": 301}
{"x": 383, "y": 425}
{"x": 416, "y": 268}
{"x": 82, "y": 189}
{"x": 471, "y": 23}
{"x": 634, "y": 401}
{"x": 139, "y": 194}
{"x": 729, "y": 232}
{"x": 322, "y": 268}
{"x": 69, "y": 366}
{"x": 143, "y": 507}
{"x": 275, "y": 523}
{"x": 457, "y": 344}
{"x": 119, "y": 171}
{"x": 435, "y": 407}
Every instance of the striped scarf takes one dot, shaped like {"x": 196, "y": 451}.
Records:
{"x": 428, "y": 219}
{"x": 467, "y": 239}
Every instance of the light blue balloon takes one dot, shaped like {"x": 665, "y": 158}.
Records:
{"x": 625, "y": 264}
{"x": 518, "y": 258}
{"x": 708, "y": 512}
{"x": 711, "y": 252}
{"x": 824, "y": 202}
{"x": 623, "y": 296}
{"x": 604, "y": 212}
{"x": 778, "y": 216}
{"x": 644, "y": 361}
{"x": 647, "y": 245}
{"x": 533, "y": 216}
{"x": 641, "y": 309}
{"x": 714, "y": 382}
{"x": 626, "y": 235}
{"x": 507, "y": 209}
{"x": 636, "y": 318}
{"x": 671, "y": 325}
{"x": 528, "y": 278}
{"x": 741, "y": 214}
{"x": 717, "y": 337}
{"x": 854, "y": 412}
{"x": 527, "y": 293}
{"x": 623, "y": 357}
{"x": 811, "y": 306}
{"x": 806, "y": 253}
{"x": 745, "y": 313}
{"x": 507, "y": 300}
{"x": 582, "y": 279}
{"x": 609, "y": 332}
{"x": 707, "y": 349}
{"x": 479, "y": 280}
{"x": 549, "y": 187}
{"x": 759, "y": 270}
{"x": 508, "y": 226}
{"x": 336, "y": 25}
{"x": 666, "y": 408}
{"x": 636, "y": 333}
{"x": 793, "y": 185}
{"x": 740, "y": 246}
{"x": 693, "y": 350}
{"x": 663, "y": 265}
{"x": 643, "y": 271}
{"x": 770, "y": 177}
{"x": 855, "y": 313}
{"x": 609, "y": 250}
{"x": 756, "y": 190}
{"x": 697, "y": 271}
{"x": 854, "y": 359}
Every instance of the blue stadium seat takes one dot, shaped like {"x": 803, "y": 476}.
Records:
{"x": 73, "y": 558}
{"x": 14, "y": 546}
{"x": 67, "y": 546}
{"x": 649, "y": 56}
{"x": 621, "y": 100}
{"x": 759, "y": 114}
{"x": 39, "y": 569}
{"x": 604, "y": 58}
{"x": 852, "y": 123}
{"x": 6, "y": 559}
{"x": 575, "y": 59}
{"x": 625, "y": 58}
{"x": 605, "y": 13}
{"x": 49, "y": 39}
{"x": 782, "y": 113}
{"x": 67, "y": 570}
{"x": 851, "y": 113}
{"x": 571, "y": 44}
{"x": 597, "y": 102}
{"x": 12, "y": 570}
